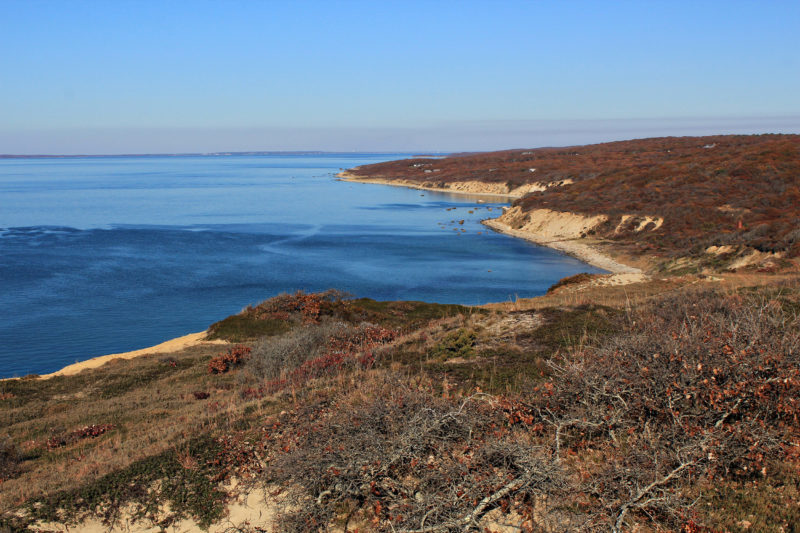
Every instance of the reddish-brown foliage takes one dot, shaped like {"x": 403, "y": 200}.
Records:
{"x": 233, "y": 357}
{"x": 693, "y": 527}
{"x": 95, "y": 430}
{"x": 348, "y": 348}
{"x": 738, "y": 190}
{"x": 620, "y": 435}
{"x": 281, "y": 307}
{"x": 405, "y": 458}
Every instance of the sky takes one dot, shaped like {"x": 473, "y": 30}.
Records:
{"x": 179, "y": 76}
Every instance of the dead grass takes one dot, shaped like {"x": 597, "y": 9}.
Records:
{"x": 149, "y": 401}
{"x": 153, "y": 409}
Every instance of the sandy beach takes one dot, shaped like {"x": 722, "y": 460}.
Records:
{"x": 570, "y": 245}
{"x": 584, "y": 251}
{"x": 172, "y": 345}
{"x": 484, "y": 192}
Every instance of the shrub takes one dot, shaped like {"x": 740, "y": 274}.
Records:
{"x": 571, "y": 280}
{"x": 316, "y": 350}
{"x": 9, "y": 460}
{"x": 92, "y": 431}
{"x": 703, "y": 389}
{"x": 458, "y": 343}
{"x": 394, "y": 457}
{"x": 275, "y": 315}
{"x": 226, "y": 360}
{"x": 274, "y": 356}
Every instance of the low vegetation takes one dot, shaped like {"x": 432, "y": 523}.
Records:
{"x": 726, "y": 191}
{"x": 576, "y": 279}
{"x": 678, "y": 413}
{"x": 287, "y": 311}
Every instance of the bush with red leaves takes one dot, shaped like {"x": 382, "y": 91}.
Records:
{"x": 93, "y": 431}
{"x": 226, "y": 360}
{"x": 283, "y": 306}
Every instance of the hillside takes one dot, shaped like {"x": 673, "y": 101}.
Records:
{"x": 671, "y": 407}
{"x": 724, "y": 197}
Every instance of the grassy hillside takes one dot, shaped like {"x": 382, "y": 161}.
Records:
{"x": 675, "y": 411}
{"x": 710, "y": 191}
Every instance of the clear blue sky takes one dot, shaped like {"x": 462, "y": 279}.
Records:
{"x": 110, "y": 77}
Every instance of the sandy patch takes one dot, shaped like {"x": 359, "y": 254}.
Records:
{"x": 251, "y": 510}
{"x": 625, "y": 278}
{"x": 720, "y": 250}
{"x": 558, "y": 230}
{"x": 755, "y": 257}
{"x": 642, "y": 223}
{"x": 551, "y": 225}
{"x": 563, "y": 232}
{"x": 498, "y": 191}
{"x": 173, "y": 345}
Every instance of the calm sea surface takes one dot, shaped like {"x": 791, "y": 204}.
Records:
{"x": 104, "y": 255}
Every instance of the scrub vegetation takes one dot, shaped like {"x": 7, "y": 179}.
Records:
{"x": 726, "y": 190}
{"x": 677, "y": 412}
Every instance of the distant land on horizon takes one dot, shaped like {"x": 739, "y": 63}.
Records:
{"x": 183, "y": 154}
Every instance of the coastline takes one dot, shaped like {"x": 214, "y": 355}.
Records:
{"x": 346, "y": 176}
{"x": 584, "y": 251}
{"x": 169, "y": 346}
{"x": 620, "y": 273}
{"x": 580, "y": 250}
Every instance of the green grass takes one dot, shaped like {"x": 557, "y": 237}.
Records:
{"x": 243, "y": 328}
{"x": 396, "y": 315}
{"x": 150, "y": 485}
{"x": 568, "y": 328}
{"x": 457, "y": 343}
{"x": 762, "y": 503}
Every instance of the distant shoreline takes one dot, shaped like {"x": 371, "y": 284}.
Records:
{"x": 582, "y": 251}
{"x": 202, "y": 154}
{"x": 346, "y": 176}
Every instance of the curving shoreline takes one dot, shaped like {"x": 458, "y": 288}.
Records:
{"x": 168, "y": 346}
{"x": 578, "y": 248}
{"x": 586, "y": 252}
{"x": 502, "y": 196}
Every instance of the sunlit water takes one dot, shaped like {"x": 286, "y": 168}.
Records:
{"x": 104, "y": 255}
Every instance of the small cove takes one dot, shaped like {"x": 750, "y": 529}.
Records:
{"x": 103, "y": 255}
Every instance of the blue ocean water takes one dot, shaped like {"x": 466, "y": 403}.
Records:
{"x": 104, "y": 255}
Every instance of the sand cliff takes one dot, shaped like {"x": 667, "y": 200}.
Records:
{"x": 565, "y": 232}
{"x": 471, "y": 187}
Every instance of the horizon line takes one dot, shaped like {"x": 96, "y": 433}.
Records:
{"x": 420, "y": 153}
{"x": 416, "y": 153}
